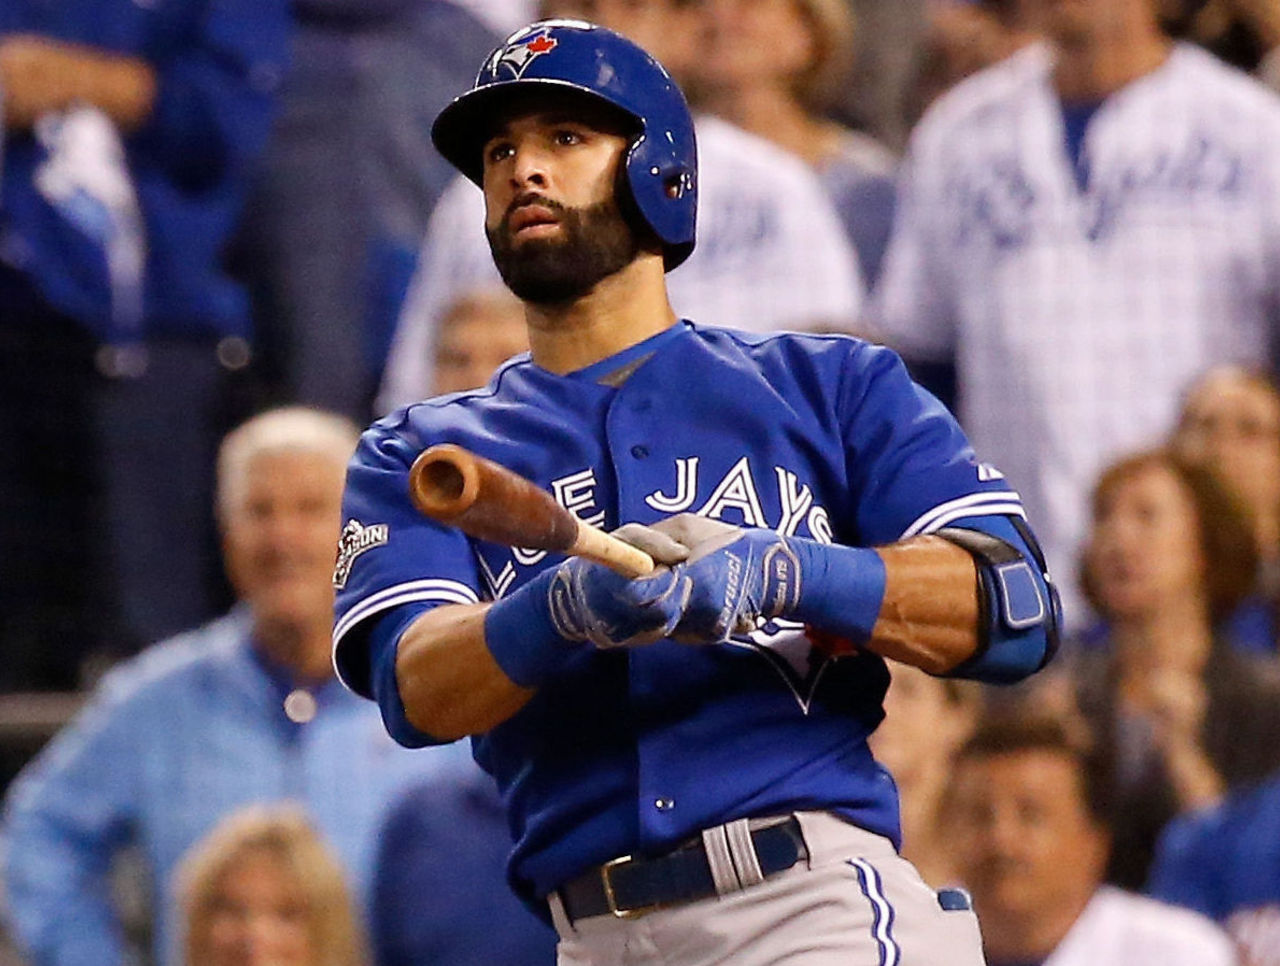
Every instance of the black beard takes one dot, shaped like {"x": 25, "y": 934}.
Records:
{"x": 596, "y": 242}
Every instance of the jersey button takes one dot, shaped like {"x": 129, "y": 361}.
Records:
{"x": 664, "y": 804}
{"x": 639, "y": 452}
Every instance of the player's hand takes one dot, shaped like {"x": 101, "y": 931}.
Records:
{"x": 590, "y": 602}
{"x": 738, "y": 576}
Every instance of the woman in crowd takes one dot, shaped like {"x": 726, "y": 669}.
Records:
{"x": 262, "y": 890}
{"x": 774, "y": 67}
{"x": 1186, "y": 716}
{"x": 1230, "y": 425}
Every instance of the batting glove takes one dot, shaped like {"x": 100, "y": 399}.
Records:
{"x": 738, "y": 576}
{"x": 590, "y": 602}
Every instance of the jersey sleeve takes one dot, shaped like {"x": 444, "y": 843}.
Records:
{"x": 389, "y": 555}
{"x": 911, "y": 468}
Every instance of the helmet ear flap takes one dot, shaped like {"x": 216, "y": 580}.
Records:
{"x": 664, "y": 183}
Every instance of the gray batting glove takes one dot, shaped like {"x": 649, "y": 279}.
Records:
{"x": 590, "y": 602}
{"x": 739, "y": 575}
{"x": 664, "y": 548}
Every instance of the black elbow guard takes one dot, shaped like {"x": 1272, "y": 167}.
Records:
{"x": 1020, "y": 612}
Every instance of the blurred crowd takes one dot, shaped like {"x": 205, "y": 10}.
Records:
{"x": 227, "y": 244}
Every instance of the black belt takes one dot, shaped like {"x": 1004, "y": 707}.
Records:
{"x": 630, "y": 887}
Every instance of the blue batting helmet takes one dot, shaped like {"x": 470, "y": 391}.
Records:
{"x": 661, "y": 164}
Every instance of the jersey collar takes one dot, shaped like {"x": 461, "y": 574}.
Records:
{"x": 614, "y": 370}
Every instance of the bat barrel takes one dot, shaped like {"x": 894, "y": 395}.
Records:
{"x": 442, "y": 485}
{"x": 488, "y": 501}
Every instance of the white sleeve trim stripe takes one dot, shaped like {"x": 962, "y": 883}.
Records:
{"x": 448, "y": 586}
{"x": 973, "y": 505}
{"x": 994, "y": 509}
{"x": 439, "y": 591}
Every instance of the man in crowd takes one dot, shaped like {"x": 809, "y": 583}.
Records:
{"x": 244, "y": 709}
{"x": 129, "y": 132}
{"x": 1086, "y": 225}
{"x": 1029, "y": 820}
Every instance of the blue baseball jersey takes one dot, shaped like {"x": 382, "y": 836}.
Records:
{"x": 1225, "y": 863}
{"x": 632, "y": 750}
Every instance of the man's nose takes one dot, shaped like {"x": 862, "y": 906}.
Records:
{"x": 529, "y": 166}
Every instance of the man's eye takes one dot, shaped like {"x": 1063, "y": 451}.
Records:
{"x": 499, "y": 152}
{"x": 566, "y": 138}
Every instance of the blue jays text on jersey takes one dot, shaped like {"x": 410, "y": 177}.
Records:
{"x": 824, "y": 437}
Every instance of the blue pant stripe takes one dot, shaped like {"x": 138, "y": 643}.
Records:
{"x": 882, "y": 924}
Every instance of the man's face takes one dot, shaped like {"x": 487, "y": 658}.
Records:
{"x": 279, "y": 533}
{"x": 1024, "y": 838}
{"x": 477, "y": 335}
{"x": 1081, "y": 22}
{"x": 551, "y": 217}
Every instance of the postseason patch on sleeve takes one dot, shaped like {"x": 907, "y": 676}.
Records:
{"x": 356, "y": 539}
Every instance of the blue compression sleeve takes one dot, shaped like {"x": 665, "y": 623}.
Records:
{"x": 841, "y": 588}
{"x": 521, "y": 636}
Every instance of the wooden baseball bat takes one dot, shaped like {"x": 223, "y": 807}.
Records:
{"x": 478, "y": 496}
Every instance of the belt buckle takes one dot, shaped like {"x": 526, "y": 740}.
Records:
{"x": 611, "y": 898}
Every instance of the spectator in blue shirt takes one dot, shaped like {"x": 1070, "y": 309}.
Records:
{"x": 1225, "y": 862}
{"x": 240, "y": 711}
{"x": 341, "y": 198}
{"x": 129, "y": 128}
{"x": 443, "y": 849}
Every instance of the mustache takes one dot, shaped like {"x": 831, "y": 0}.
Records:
{"x": 530, "y": 198}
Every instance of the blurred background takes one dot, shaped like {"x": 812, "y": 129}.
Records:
{"x": 226, "y": 244}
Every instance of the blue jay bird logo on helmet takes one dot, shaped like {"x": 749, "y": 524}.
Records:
{"x": 517, "y": 57}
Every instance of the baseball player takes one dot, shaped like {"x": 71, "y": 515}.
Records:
{"x": 1085, "y": 227}
{"x": 683, "y": 756}
{"x": 771, "y": 249}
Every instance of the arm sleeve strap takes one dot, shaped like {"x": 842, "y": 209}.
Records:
{"x": 1020, "y": 612}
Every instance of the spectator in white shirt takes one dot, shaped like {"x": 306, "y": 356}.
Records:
{"x": 1029, "y": 814}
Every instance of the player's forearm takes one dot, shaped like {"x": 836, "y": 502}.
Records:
{"x": 448, "y": 679}
{"x": 929, "y": 615}
{"x": 914, "y": 602}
